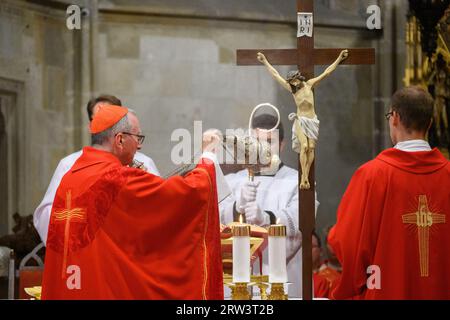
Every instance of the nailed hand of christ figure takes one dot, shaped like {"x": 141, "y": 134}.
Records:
{"x": 305, "y": 130}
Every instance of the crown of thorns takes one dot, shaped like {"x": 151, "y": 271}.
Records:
{"x": 292, "y": 75}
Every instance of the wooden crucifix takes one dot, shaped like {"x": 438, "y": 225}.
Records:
{"x": 306, "y": 57}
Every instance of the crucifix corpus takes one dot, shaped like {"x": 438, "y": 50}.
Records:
{"x": 301, "y": 86}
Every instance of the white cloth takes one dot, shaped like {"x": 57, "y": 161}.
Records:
{"x": 413, "y": 146}
{"x": 278, "y": 194}
{"x": 41, "y": 217}
{"x": 309, "y": 127}
{"x": 223, "y": 190}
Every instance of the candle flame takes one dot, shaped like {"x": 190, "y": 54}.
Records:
{"x": 278, "y": 220}
{"x": 241, "y": 218}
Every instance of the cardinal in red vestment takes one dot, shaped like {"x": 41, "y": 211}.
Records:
{"x": 325, "y": 280}
{"x": 392, "y": 235}
{"x": 324, "y": 277}
{"x": 121, "y": 233}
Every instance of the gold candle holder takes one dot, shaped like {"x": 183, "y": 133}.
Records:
{"x": 277, "y": 292}
{"x": 262, "y": 282}
{"x": 240, "y": 291}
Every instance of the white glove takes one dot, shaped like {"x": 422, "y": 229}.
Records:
{"x": 254, "y": 215}
{"x": 248, "y": 194}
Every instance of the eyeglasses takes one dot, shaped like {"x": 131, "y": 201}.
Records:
{"x": 389, "y": 115}
{"x": 140, "y": 138}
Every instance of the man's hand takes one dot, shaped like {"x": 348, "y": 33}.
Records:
{"x": 254, "y": 215}
{"x": 261, "y": 57}
{"x": 248, "y": 194}
{"x": 211, "y": 140}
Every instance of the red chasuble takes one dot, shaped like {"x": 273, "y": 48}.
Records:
{"x": 321, "y": 287}
{"x": 392, "y": 235}
{"x": 121, "y": 233}
{"x": 325, "y": 280}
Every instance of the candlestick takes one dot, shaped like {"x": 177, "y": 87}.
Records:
{"x": 277, "y": 292}
{"x": 240, "y": 292}
{"x": 241, "y": 253}
{"x": 277, "y": 254}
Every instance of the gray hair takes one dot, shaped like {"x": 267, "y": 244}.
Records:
{"x": 103, "y": 137}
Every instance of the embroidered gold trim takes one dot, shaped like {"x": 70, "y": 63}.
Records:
{"x": 68, "y": 215}
{"x": 424, "y": 219}
{"x": 205, "y": 247}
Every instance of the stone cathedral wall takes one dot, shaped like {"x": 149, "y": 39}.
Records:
{"x": 173, "y": 62}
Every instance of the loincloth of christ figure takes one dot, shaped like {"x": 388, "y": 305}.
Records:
{"x": 305, "y": 129}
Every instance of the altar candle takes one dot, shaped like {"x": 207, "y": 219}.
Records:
{"x": 241, "y": 253}
{"x": 277, "y": 254}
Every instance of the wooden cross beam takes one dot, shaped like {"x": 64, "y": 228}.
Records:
{"x": 306, "y": 57}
